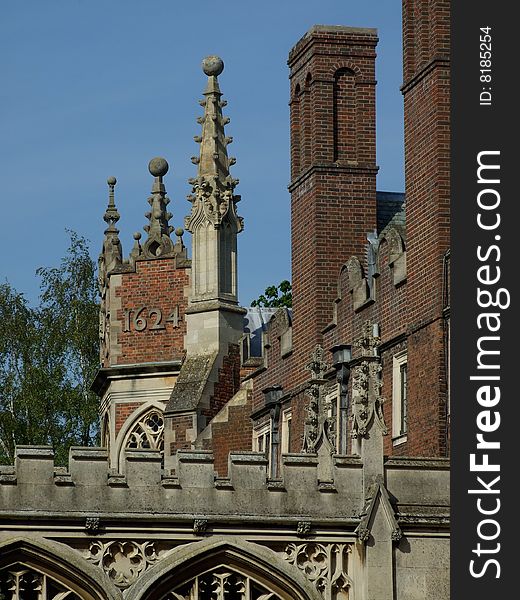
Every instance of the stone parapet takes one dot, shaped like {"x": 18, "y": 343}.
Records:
{"x": 88, "y": 486}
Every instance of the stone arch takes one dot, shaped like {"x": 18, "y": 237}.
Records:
{"x": 130, "y": 426}
{"x": 344, "y": 65}
{"x": 66, "y": 568}
{"x": 261, "y": 564}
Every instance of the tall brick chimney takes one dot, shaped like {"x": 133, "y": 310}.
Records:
{"x": 333, "y": 168}
{"x": 426, "y": 90}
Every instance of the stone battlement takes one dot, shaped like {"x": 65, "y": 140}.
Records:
{"x": 89, "y": 486}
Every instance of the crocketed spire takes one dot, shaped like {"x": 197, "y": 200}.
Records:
{"x": 158, "y": 242}
{"x": 212, "y": 195}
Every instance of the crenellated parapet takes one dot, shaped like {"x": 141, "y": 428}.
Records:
{"x": 88, "y": 487}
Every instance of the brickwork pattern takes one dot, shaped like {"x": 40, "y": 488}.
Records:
{"x": 233, "y": 435}
{"x": 122, "y": 411}
{"x": 228, "y": 381}
{"x": 155, "y": 284}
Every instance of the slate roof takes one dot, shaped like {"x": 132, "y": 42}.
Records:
{"x": 390, "y": 210}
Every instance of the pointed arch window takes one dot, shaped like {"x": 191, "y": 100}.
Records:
{"x": 147, "y": 432}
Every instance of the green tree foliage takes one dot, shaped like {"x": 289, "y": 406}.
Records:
{"x": 274, "y": 296}
{"x": 48, "y": 357}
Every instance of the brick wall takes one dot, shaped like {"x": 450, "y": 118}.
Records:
{"x": 426, "y": 89}
{"x": 333, "y": 208}
{"x": 232, "y": 435}
{"x": 228, "y": 381}
{"x": 157, "y": 285}
{"x": 122, "y": 412}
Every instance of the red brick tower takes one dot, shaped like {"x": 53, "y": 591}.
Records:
{"x": 426, "y": 90}
{"x": 333, "y": 170}
{"x": 142, "y": 324}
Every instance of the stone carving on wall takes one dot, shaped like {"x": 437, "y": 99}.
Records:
{"x": 147, "y": 432}
{"x": 222, "y": 583}
{"x": 20, "y": 582}
{"x": 367, "y": 401}
{"x": 123, "y": 561}
{"x": 319, "y": 424}
{"x": 324, "y": 565}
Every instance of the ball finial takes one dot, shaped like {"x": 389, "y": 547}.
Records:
{"x": 137, "y": 236}
{"x": 111, "y": 180}
{"x": 213, "y": 65}
{"x": 179, "y": 231}
{"x": 158, "y": 166}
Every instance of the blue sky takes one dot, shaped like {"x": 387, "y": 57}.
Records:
{"x": 92, "y": 88}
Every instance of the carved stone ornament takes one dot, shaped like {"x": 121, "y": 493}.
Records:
{"x": 122, "y": 561}
{"x": 367, "y": 402}
{"x": 20, "y": 581}
{"x": 324, "y": 565}
{"x": 319, "y": 423}
{"x": 213, "y": 199}
{"x": 377, "y": 499}
{"x": 92, "y": 525}
{"x": 158, "y": 241}
{"x": 200, "y": 526}
{"x": 304, "y": 528}
{"x": 222, "y": 583}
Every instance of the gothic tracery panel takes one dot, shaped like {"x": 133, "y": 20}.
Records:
{"x": 147, "y": 432}
{"x": 222, "y": 583}
{"x": 324, "y": 565}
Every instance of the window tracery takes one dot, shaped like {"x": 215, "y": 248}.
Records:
{"x": 222, "y": 583}
{"x": 147, "y": 432}
{"x": 20, "y": 582}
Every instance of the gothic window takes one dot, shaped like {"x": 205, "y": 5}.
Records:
{"x": 147, "y": 432}
{"x": 222, "y": 583}
{"x": 20, "y": 582}
{"x": 399, "y": 398}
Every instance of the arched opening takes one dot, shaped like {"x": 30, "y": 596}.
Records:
{"x": 143, "y": 430}
{"x": 43, "y": 570}
{"x": 223, "y": 569}
{"x": 345, "y": 147}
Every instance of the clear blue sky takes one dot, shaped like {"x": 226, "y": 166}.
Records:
{"x": 92, "y": 88}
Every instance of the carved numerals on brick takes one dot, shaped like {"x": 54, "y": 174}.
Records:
{"x": 152, "y": 319}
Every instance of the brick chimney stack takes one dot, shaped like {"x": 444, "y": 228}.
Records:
{"x": 333, "y": 168}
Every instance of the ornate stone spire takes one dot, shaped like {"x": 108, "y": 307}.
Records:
{"x": 110, "y": 257}
{"x": 158, "y": 242}
{"x": 111, "y": 253}
{"x": 213, "y": 221}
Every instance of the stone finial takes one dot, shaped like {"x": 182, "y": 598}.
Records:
{"x": 111, "y": 253}
{"x": 158, "y": 242}
{"x": 212, "y": 196}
